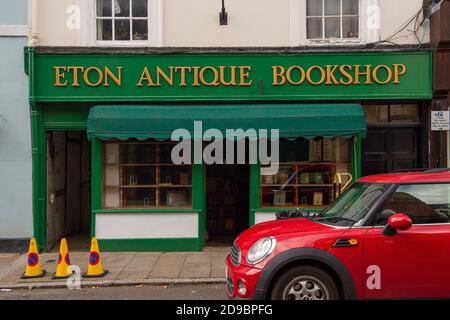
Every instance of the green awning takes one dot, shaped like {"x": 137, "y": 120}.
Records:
{"x": 159, "y": 121}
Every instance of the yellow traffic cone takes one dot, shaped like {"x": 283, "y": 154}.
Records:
{"x": 33, "y": 269}
{"x": 95, "y": 268}
{"x": 62, "y": 270}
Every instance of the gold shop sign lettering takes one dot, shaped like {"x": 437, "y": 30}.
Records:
{"x": 240, "y": 76}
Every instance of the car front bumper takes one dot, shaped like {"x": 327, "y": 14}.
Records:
{"x": 243, "y": 275}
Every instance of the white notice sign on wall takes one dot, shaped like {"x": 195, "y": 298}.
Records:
{"x": 440, "y": 121}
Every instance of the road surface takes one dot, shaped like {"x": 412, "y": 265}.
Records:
{"x": 191, "y": 292}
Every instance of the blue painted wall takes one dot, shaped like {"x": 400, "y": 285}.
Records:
{"x": 13, "y": 12}
{"x": 16, "y": 218}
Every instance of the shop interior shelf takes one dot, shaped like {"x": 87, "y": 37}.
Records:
{"x": 298, "y": 185}
{"x": 156, "y": 186}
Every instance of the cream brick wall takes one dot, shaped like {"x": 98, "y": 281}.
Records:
{"x": 195, "y": 23}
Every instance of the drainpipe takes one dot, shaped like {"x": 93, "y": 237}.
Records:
{"x": 37, "y": 151}
{"x": 33, "y": 23}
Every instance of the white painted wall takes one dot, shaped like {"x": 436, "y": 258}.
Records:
{"x": 195, "y": 23}
{"x": 146, "y": 225}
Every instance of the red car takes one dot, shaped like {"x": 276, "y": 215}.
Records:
{"x": 387, "y": 236}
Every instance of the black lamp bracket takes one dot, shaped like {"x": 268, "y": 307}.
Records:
{"x": 223, "y": 15}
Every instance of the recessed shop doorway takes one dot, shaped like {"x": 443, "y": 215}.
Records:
{"x": 68, "y": 189}
{"x": 227, "y": 202}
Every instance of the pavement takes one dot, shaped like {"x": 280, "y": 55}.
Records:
{"x": 125, "y": 268}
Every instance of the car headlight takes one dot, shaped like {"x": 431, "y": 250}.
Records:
{"x": 261, "y": 249}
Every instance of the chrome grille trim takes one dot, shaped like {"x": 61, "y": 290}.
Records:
{"x": 235, "y": 254}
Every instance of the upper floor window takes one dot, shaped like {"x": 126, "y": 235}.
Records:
{"x": 332, "y": 19}
{"x": 122, "y": 20}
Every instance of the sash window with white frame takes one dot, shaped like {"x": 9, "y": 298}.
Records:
{"x": 122, "y": 20}
{"x": 332, "y": 19}
{"x": 334, "y": 22}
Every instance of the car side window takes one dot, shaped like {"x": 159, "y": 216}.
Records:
{"x": 423, "y": 203}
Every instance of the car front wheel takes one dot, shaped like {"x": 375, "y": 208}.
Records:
{"x": 304, "y": 283}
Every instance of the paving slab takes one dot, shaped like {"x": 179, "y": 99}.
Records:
{"x": 115, "y": 263}
{"x": 6, "y": 258}
{"x": 217, "y": 265}
{"x": 168, "y": 265}
{"x": 196, "y": 265}
{"x": 139, "y": 267}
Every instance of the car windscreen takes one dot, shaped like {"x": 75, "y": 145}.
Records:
{"x": 353, "y": 205}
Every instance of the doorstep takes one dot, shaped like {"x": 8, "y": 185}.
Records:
{"x": 125, "y": 268}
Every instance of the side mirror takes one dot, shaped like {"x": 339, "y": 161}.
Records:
{"x": 398, "y": 221}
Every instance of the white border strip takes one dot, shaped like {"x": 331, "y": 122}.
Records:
{"x": 13, "y": 30}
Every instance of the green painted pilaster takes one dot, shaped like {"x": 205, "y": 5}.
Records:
{"x": 198, "y": 200}
{"x": 96, "y": 180}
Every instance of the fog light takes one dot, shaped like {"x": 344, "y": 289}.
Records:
{"x": 241, "y": 287}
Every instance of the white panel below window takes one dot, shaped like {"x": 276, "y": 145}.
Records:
{"x": 146, "y": 225}
{"x": 264, "y": 216}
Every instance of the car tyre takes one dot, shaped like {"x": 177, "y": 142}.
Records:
{"x": 304, "y": 283}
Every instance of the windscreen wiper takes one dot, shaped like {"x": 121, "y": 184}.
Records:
{"x": 336, "y": 218}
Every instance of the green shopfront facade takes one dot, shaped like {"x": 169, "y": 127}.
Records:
{"x": 127, "y": 104}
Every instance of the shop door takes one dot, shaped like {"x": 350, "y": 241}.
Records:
{"x": 389, "y": 149}
{"x": 55, "y": 187}
{"x": 68, "y": 188}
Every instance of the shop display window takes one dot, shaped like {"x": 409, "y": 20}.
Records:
{"x": 392, "y": 113}
{"x": 141, "y": 175}
{"x": 309, "y": 173}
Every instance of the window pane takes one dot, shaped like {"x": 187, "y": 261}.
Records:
{"x": 140, "y": 29}
{"x": 405, "y": 112}
{"x": 132, "y": 153}
{"x": 139, "y": 175}
{"x": 332, "y": 28}
{"x": 122, "y": 31}
{"x": 166, "y": 153}
{"x": 376, "y": 114}
{"x": 332, "y": 7}
{"x": 314, "y": 28}
{"x": 422, "y": 203}
{"x": 104, "y": 29}
{"x": 294, "y": 150}
{"x": 350, "y": 7}
{"x": 104, "y": 8}
{"x": 175, "y": 175}
{"x": 314, "y": 8}
{"x": 139, "y": 197}
{"x": 140, "y": 8}
{"x": 122, "y": 8}
{"x": 350, "y": 27}
{"x": 180, "y": 197}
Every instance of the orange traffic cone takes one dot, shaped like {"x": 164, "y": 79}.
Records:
{"x": 62, "y": 270}
{"x": 95, "y": 268}
{"x": 33, "y": 269}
